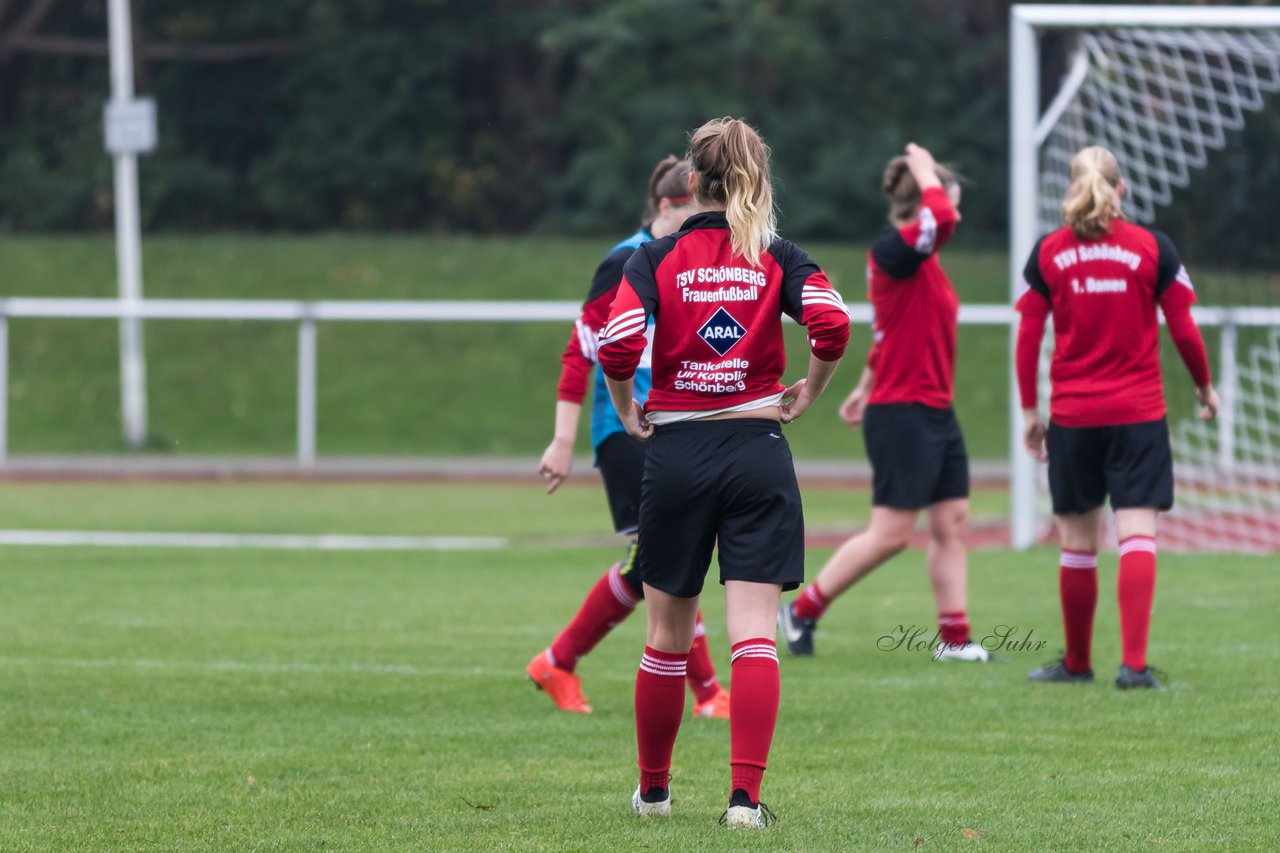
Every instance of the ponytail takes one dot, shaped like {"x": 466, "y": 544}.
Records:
{"x": 732, "y": 163}
{"x": 1093, "y": 199}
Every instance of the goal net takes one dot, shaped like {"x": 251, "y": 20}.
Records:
{"x": 1168, "y": 90}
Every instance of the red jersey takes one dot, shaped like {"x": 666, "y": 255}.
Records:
{"x": 717, "y": 340}
{"x": 579, "y": 357}
{"x": 1103, "y": 295}
{"x": 913, "y": 355}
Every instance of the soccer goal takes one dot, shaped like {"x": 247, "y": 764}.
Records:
{"x": 1168, "y": 89}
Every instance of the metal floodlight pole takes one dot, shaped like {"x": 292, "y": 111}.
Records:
{"x": 133, "y": 367}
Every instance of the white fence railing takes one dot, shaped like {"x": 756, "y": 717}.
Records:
{"x": 308, "y": 314}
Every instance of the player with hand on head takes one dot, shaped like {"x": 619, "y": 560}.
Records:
{"x": 903, "y": 403}
{"x": 1102, "y": 278}
{"x": 620, "y": 459}
{"x": 718, "y": 471}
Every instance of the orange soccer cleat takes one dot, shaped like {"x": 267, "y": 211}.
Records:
{"x": 564, "y": 688}
{"x": 717, "y": 707}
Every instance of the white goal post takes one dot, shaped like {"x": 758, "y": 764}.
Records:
{"x": 1161, "y": 86}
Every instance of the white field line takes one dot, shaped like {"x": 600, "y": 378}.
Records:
{"x": 249, "y": 666}
{"x": 288, "y": 541}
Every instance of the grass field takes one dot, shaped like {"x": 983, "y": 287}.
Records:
{"x": 228, "y": 387}
{"x": 174, "y": 699}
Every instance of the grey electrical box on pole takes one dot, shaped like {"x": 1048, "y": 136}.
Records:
{"x": 129, "y": 128}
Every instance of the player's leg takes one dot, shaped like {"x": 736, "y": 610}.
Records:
{"x": 761, "y": 541}
{"x": 947, "y": 552}
{"x": 947, "y": 560}
{"x": 757, "y": 687}
{"x": 1078, "y": 487}
{"x": 710, "y": 700}
{"x": 678, "y": 522}
{"x": 614, "y": 595}
{"x": 905, "y": 460}
{"x": 1140, "y": 479}
{"x": 659, "y": 695}
{"x": 622, "y": 464}
{"x": 888, "y": 534}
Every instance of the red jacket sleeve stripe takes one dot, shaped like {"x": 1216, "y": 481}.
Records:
{"x": 622, "y": 343}
{"x": 826, "y": 317}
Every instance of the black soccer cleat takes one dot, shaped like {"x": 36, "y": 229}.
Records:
{"x": 1128, "y": 678}
{"x": 1057, "y": 671}
{"x": 796, "y": 633}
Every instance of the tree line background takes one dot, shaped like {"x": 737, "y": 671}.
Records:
{"x": 511, "y": 116}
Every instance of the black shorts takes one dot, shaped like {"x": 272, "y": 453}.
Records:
{"x": 1132, "y": 463}
{"x": 620, "y": 459}
{"x": 917, "y": 455}
{"x": 731, "y": 481}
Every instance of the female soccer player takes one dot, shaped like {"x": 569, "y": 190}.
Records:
{"x": 620, "y": 459}
{"x": 903, "y": 402}
{"x": 1102, "y": 278}
{"x": 718, "y": 471}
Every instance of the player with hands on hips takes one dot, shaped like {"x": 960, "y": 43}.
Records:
{"x": 718, "y": 472}
{"x": 621, "y": 462}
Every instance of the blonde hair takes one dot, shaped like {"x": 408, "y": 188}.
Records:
{"x": 1093, "y": 199}
{"x": 900, "y": 187}
{"x": 732, "y": 163}
{"x": 670, "y": 179}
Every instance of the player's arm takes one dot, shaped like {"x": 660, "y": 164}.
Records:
{"x": 854, "y": 406}
{"x": 1034, "y": 306}
{"x": 899, "y": 252}
{"x": 622, "y": 342}
{"x": 808, "y": 297}
{"x": 576, "y": 363}
{"x": 1176, "y": 295}
{"x": 557, "y": 459}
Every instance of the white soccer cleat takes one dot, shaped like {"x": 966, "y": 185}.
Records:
{"x": 969, "y": 651}
{"x": 748, "y": 817}
{"x": 658, "y": 809}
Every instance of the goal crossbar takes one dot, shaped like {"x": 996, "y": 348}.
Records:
{"x": 1084, "y": 15}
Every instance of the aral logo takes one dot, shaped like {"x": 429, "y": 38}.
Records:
{"x": 721, "y": 332}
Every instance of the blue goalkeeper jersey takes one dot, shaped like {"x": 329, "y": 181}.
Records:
{"x": 604, "y": 420}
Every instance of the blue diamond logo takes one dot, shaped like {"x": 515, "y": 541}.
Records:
{"x": 721, "y": 332}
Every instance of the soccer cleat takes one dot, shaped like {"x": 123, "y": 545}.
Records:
{"x": 717, "y": 707}
{"x": 758, "y": 816}
{"x": 1128, "y": 677}
{"x": 564, "y": 688}
{"x": 796, "y": 633}
{"x": 649, "y": 806}
{"x": 1057, "y": 671}
{"x": 969, "y": 650}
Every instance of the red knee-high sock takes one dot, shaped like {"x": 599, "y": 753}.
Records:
{"x": 953, "y": 628}
{"x": 701, "y": 672}
{"x": 753, "y": 711}
{"x": 1136, "y": 588}
{"x": 1078, "y": 590}
{"x": 659, "y": 708}
{"x": 609, "y": 602}
{"x": 811, "y": 603}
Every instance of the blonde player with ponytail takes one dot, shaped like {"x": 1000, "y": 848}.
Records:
{"x": 1102, "y": 278}
{"x": 718, "y": 470}
{"x": 620, "y": 459}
